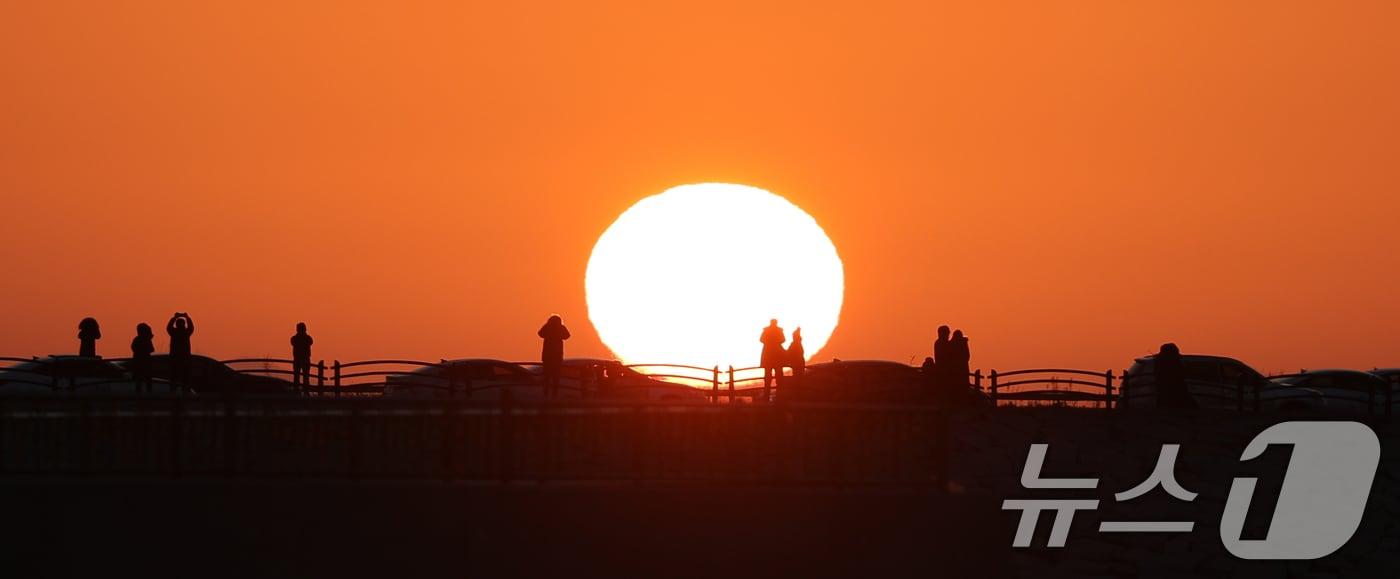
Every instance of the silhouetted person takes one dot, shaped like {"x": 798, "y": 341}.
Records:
{"x": 552, "y": 356}
{"x": 301, "y": 358}
{"x": 88, "y": 334}
{"x": 797, "y": 355}
{"x": 180, "y": 328}
{"x": 962, "y": 360}
{"x": 772, "y": 357}
{"x": 928, "y": 374}
{"x": 142, "y": 346}
{"x": 943, "y": 357}
{"x": 1170, "y": 377}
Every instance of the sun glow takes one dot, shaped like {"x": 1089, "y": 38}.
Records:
{"x": 691, "y": 276}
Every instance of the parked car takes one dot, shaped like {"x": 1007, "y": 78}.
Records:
{"x": 1391, "y": 375}
{"x": 1344, "y": 391}
{"x": 611, "y": 379}
{"x": 75, "y": 375}
{"x": 472, "y": 379}
{"x": 865, "y": 381}
{"x": 210, "y": 376}
{"x": 1216, "y": 382}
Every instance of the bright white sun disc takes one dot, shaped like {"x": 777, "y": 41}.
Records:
{"x": 691, "y": 276}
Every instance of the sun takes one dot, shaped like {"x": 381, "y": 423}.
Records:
{"x": 693, "y": 274}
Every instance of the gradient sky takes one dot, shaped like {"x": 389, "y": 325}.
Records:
{"x": 1070, "y": 182}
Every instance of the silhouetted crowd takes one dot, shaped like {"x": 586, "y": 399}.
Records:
{"x": 946, "y": 374}
{"x": 180, "y": 329}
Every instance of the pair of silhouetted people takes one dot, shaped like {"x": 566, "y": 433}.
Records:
{"x": 774, "y": 357}
{"x": 952, "y": 356}
{"x": 1170, "y": 378}
{"x": 947, "y": 371}
{"x": 301, "y": 358}
{"x": 552, "y": 355}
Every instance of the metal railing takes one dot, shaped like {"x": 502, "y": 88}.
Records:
{"x": 370, "y": 378}
{"x": 1054, "y": 386}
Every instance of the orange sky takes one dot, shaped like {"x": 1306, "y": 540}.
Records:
{"x": 1070, "y": 182}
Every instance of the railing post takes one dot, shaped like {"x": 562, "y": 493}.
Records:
{"x": 992, "y": 392}
{"x": 1108, "y": 389}
{"x": 336, "y": 379}
{"x": 977, "y": 379}
{"x": 714, "y": 386}
{"x": 731, "y": 383}
{"x": 320, "y": 377}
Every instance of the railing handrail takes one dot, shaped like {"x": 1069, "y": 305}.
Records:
{"x": 257, "y": 361}
{"x": 1099, "y": 374}
{"x": 1099, "y": 385}
{"x": 1051, "y": 395}
{"x": 717, "y": 382}
{"x": 684, "y": 366}
{"x": 399, "y": 362}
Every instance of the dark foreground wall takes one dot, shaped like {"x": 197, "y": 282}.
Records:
{"x": 252, "y": 529}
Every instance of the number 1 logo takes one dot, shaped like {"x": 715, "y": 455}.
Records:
{"x": 1323, "y": 496}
